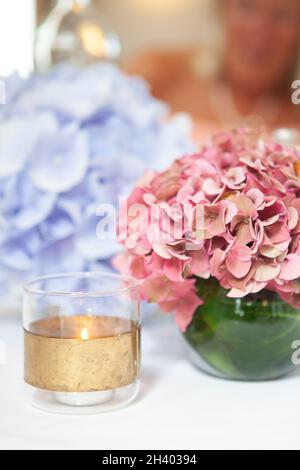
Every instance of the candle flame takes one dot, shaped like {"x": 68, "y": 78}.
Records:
{"x": 84, "y": 334}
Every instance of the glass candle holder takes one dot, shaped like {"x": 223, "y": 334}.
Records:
{"x": 74, "y": 31}
{"x": 82, "y": 342}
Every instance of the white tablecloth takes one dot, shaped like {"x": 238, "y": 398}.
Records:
{"x": 178, "y": 408}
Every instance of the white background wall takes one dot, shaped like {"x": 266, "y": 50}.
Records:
{"x": 17, "y": 19}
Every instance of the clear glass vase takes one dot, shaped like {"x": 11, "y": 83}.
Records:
{"x": 253, "y": 338}
{"x": 74, "y": 31}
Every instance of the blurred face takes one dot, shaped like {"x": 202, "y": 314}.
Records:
{"x": 263, "y": 38}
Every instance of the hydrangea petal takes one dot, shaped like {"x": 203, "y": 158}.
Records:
{"x": 13, "y": 156}
{"x": 60, "y": 162}
{"x": 290, "y": 269}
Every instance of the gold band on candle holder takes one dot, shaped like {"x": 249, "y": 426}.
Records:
{"x": 68, "y": 364}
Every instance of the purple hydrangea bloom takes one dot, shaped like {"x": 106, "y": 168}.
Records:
{"x": 69, "y": 141}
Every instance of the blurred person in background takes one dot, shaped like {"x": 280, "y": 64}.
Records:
{"x": 256, "y": 66}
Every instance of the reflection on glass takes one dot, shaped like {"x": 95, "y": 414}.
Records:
{"x": 75, "y": 32}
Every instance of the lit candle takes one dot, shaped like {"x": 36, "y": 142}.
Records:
{"x": 82, "y": 342}
{"x": 84, "y": 398}
{"x": 82, "y": 359}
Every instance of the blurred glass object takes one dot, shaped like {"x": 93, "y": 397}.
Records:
{"x": 76, "y": 32}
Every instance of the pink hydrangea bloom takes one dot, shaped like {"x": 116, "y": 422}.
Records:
{"x": 231, "y": 212}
